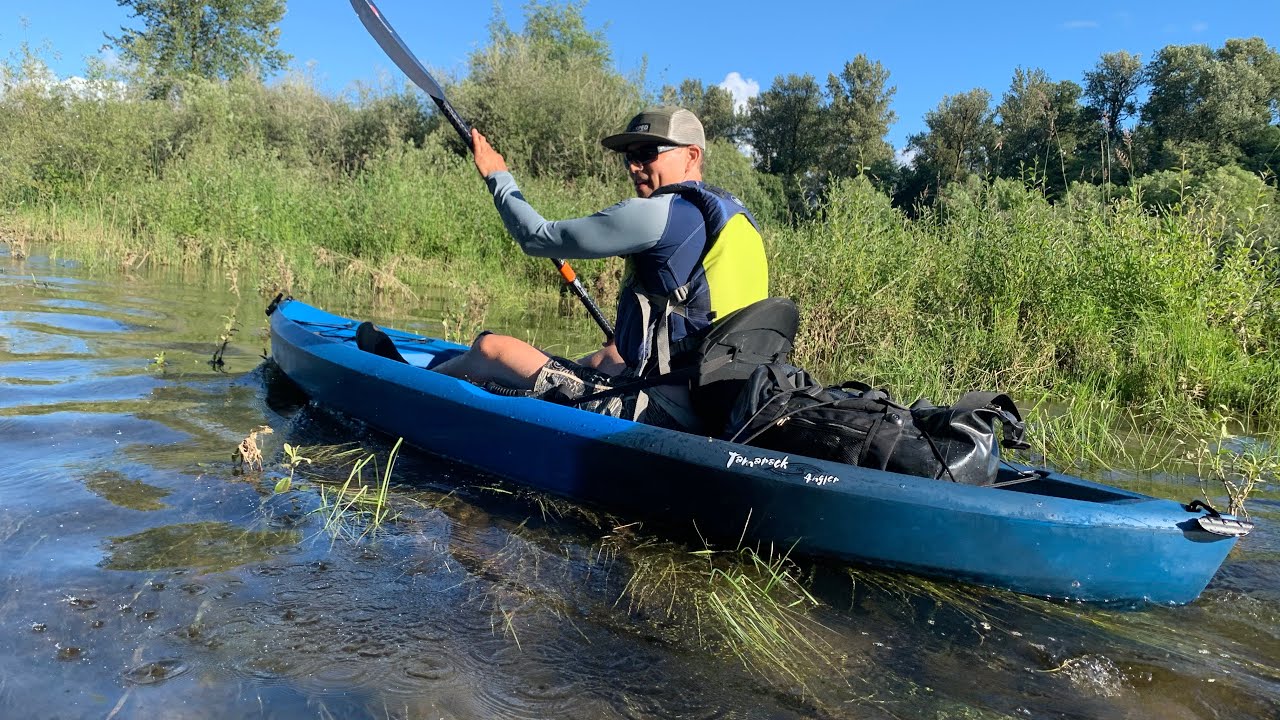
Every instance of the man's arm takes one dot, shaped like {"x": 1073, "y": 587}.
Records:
{"x": 628, "y": 227}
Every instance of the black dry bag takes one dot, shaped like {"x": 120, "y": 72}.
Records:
{"x": 783, "y": 408}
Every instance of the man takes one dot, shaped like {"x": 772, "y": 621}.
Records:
{"x": 693, "y": 254}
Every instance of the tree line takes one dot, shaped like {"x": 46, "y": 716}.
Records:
{"x": 549, "y": 91}
{"x": 1203, "y": 109}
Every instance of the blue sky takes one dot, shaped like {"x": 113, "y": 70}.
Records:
{"x": 931, "y": 49}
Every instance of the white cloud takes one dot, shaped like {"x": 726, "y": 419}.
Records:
{"x": 742, "y": 89}
{"x": 1079, "y": 24}
{"x": 84, "y": 89}
{"x": 905, "y": 157}
{"x": 1199, "y": 27}
{"x": 66, "y": 88}
{"x": 110, "y": 59}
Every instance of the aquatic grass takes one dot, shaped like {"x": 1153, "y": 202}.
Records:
{"x": 553, "y": 508}
{"x": 1090, "y": 429}
{"x": 751, "y": 605}
{"x": 322, "y": 458}
{"x": 353, "y": 510}
{"x": 757, "y": 605}
{"x": 1240, "y": 465}
{"x": 907, "y": 590}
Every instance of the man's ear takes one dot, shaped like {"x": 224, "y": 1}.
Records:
{"x": 695, "y": 160}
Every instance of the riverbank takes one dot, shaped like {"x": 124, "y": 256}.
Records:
{"x": 1094, "y": 312}
{"x": 1001, "y": 289}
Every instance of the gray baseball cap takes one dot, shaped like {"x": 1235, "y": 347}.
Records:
{"x": 668, "y": 125}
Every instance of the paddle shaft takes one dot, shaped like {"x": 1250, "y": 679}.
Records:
{"x": 399, "y": 53}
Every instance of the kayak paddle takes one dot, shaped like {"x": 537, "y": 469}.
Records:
{"x": 399, "y": 53}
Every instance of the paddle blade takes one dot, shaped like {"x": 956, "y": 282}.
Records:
{"x": 394, "y": 47}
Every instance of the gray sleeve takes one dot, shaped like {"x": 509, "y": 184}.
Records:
{"x": 628, "y": 227}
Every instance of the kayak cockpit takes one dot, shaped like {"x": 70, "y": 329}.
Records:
{"x": 1035, "y": 481}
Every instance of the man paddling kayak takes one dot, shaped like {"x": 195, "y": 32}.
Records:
{"x": 693, "y": 254}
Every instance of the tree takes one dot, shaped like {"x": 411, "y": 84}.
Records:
{"x": 785, "y": 124}
{"x": 858, "y": 118}
{"x": 1170, "y": 116}
{"x": 1111, "y": 90}
{"x": 1205, "y": 106}
{"x": 211, "y": 39}
{"x": 1110, "y": 101}
{"x": 961, "y": 134}
{"x": 560, "y": 32}
{"x": 1038, "y": 128}
{"x": 546, "y": 95}
{"x": 713, "y": 105}
{"x": 1255, "y": 53}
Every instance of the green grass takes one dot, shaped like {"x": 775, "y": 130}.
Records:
{"x": 351, "y": 507}
{"x": 355, "y": 509}
{"x": 749, "y": 605}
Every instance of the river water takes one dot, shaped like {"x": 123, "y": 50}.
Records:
{"x": 146, "y": 574}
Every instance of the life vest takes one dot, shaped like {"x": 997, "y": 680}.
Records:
{"x": 709, "y": 262}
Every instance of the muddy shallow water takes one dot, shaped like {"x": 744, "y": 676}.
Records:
{"x": 146, "y": 574}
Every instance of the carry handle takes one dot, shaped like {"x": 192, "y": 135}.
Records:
{"x": 1015, "y": 429}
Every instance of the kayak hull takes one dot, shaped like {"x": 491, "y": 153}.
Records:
{"x": 1053, "y": 536}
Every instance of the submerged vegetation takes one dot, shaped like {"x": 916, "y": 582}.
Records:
{"x": 754, "y": 606}
{"x": 751, "y": 604}
{"x": 351, "y": 507}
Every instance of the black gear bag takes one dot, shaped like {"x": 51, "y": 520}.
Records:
{"x": 783, "y": 408}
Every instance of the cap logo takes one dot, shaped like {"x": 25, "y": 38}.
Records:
{"x": 640, "y": 127}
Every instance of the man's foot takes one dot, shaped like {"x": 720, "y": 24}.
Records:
{"x": 370, "y": 339}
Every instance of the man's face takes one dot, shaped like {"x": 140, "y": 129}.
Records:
{"x": 652, "y": 166}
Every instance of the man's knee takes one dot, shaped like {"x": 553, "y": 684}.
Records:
{"x": 606, "y": 359}
{"x": 489, "y": 345}
{"x": 505, "y": 359}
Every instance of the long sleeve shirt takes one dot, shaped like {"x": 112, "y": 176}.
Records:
{"x": 627, "y": 228}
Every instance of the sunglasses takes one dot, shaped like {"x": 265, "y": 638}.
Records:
{"x": 645, "y": 155}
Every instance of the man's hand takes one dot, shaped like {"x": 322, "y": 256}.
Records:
{"x": 488, "y": 160}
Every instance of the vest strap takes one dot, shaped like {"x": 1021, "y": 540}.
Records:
{"x": 655, "y": 316}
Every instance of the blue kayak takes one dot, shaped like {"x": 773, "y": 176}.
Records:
{"x": 1037, "y": 532}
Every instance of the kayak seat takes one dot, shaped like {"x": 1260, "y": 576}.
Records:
{"x": 717, "y": 361}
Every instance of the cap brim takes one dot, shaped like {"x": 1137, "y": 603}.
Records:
{"x": 622, "y": 141}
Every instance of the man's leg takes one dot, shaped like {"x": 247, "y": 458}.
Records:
{"x": 502, "y": 359}
{"x": 607, "y": 360}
